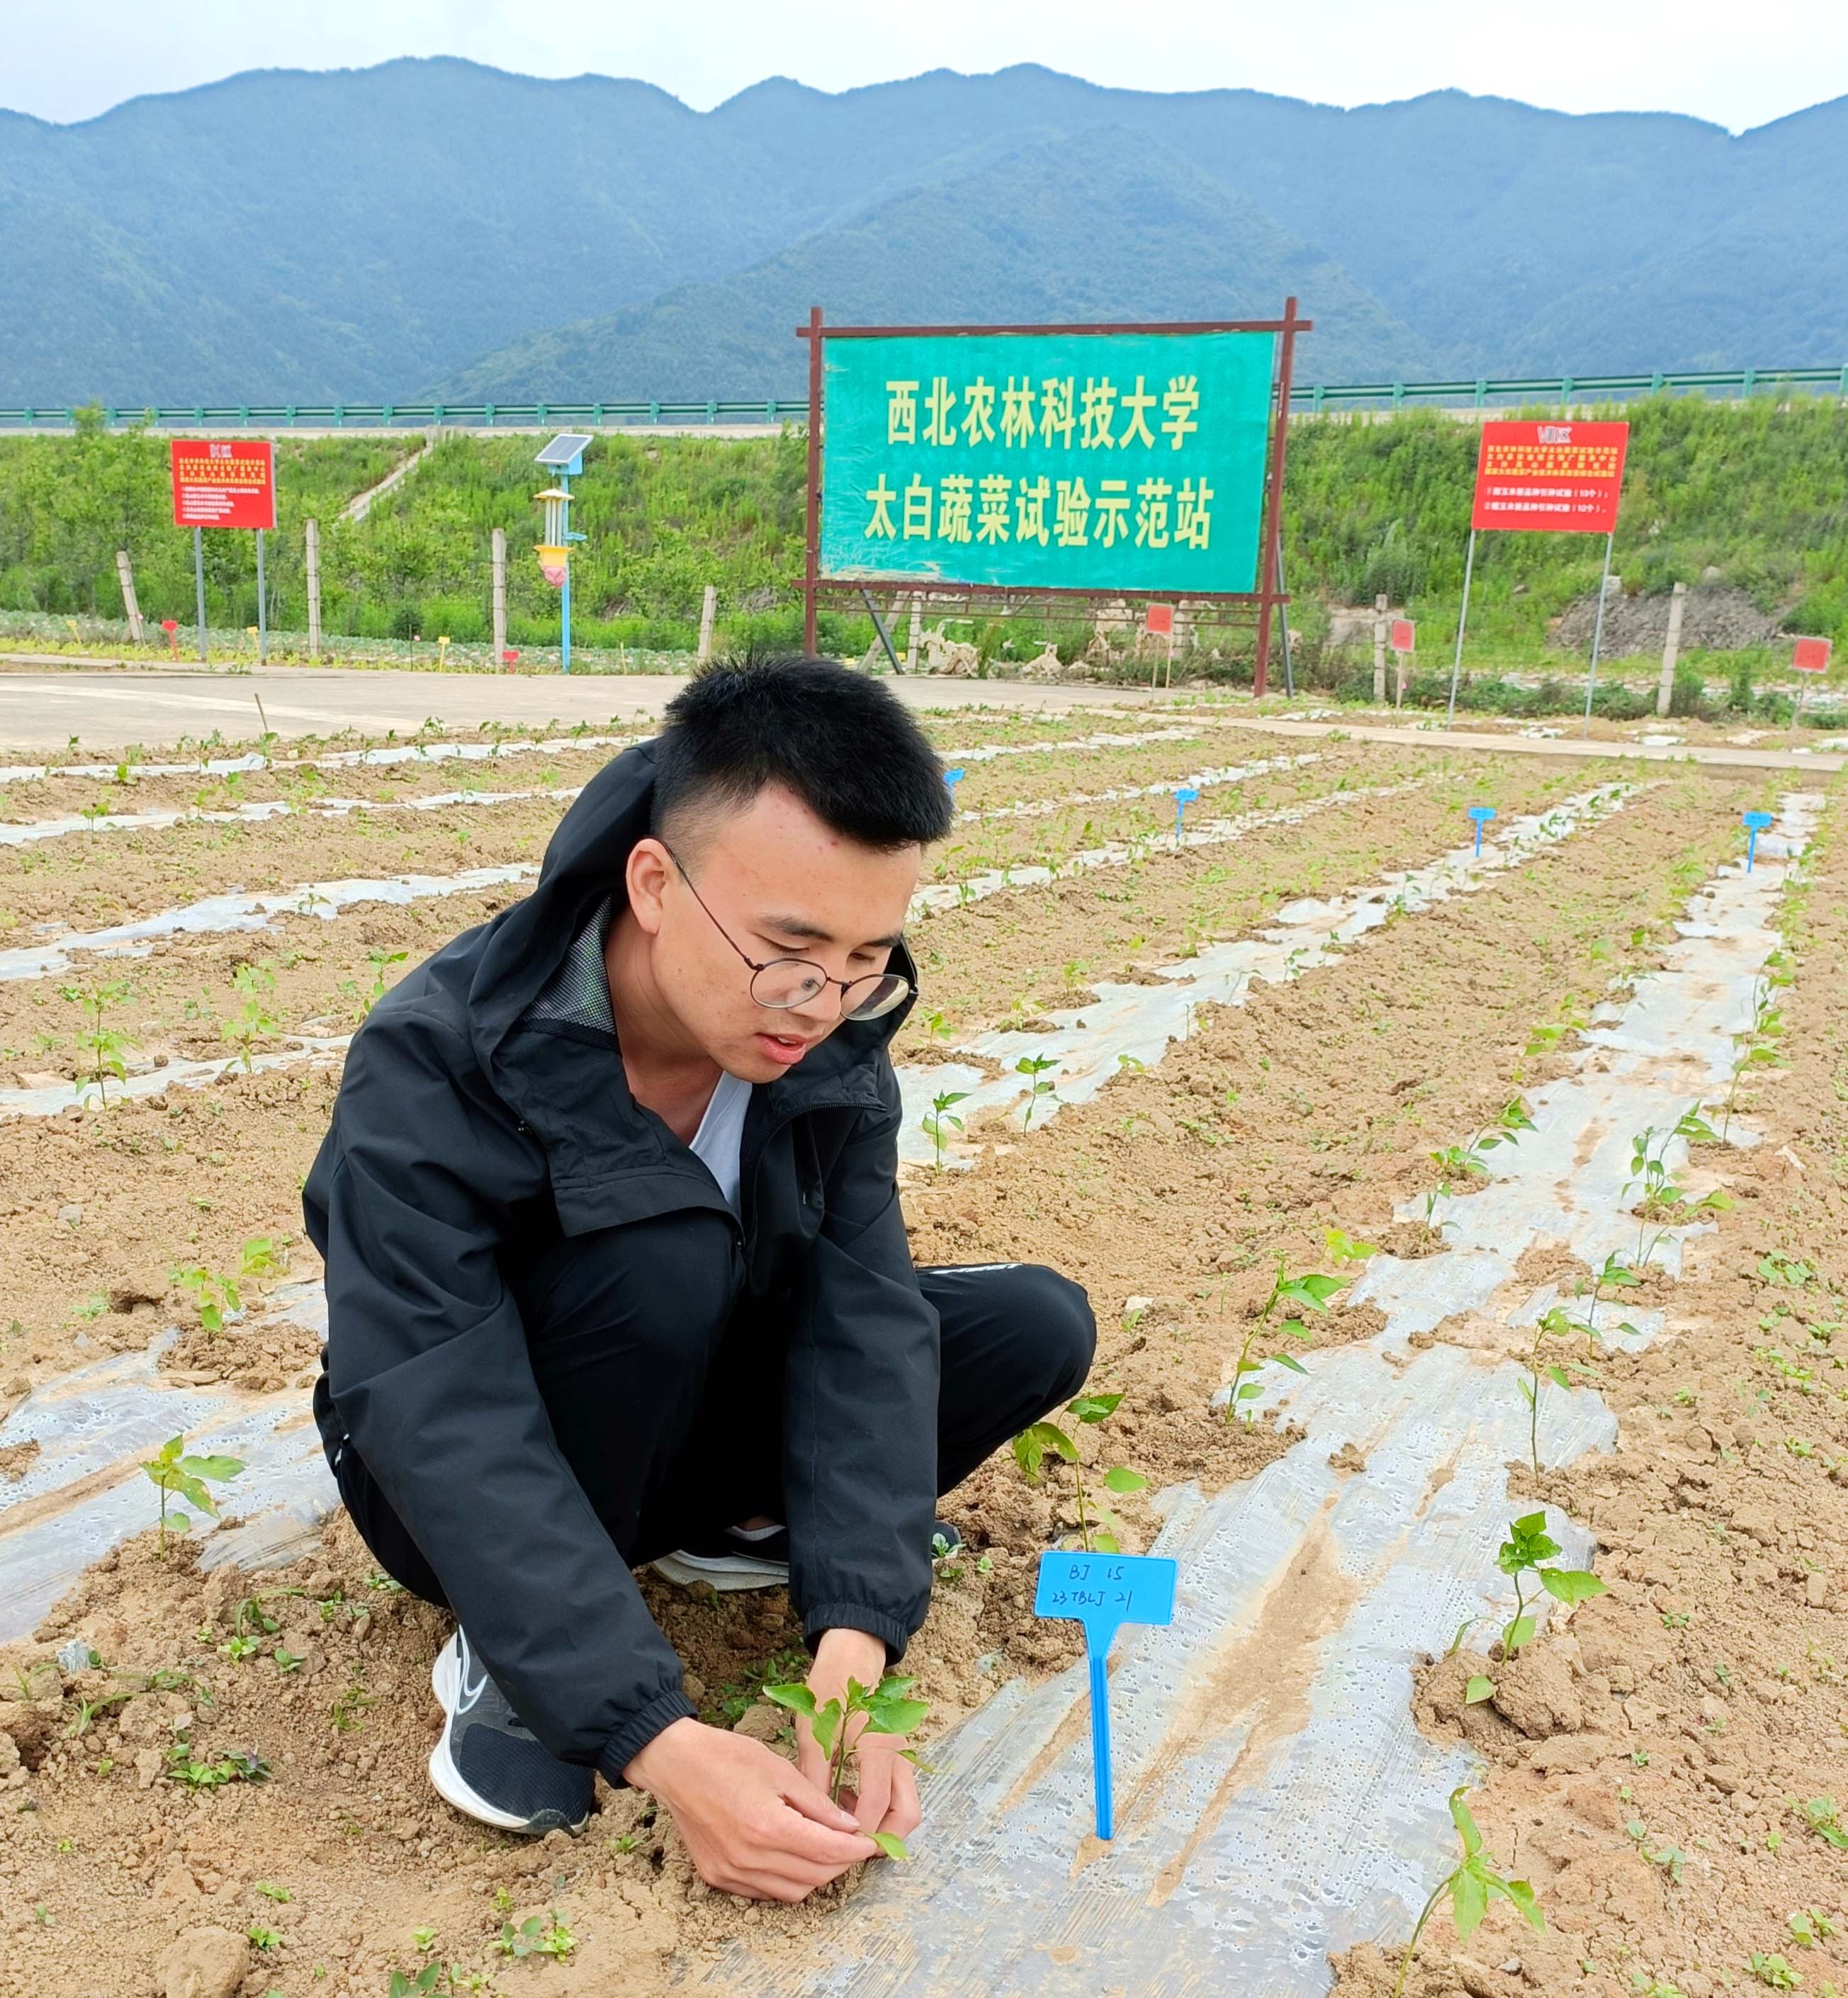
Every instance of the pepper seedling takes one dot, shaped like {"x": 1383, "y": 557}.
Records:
{"x": 1528, "y": 1547}
{"x": 1030, "y": 1448}
{"x": 937, "y": 1118}
{"x": 1503, "y": 1129}
{"x": 253, "y": 1022}
{"x": 184, "y": 1475}
{"x": 1611, "y": 1274}
{"x": 886, "y": 1710}
{"x": 103, "y": 1047}
{"x": 1034, "y": 1068}
{"x": 1308, "y": 1291}
{"x": 1664, "y": 1199}
{"x": 1472, "y": 1884}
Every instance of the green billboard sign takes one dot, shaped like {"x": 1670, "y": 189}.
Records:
{"x": 1100, "y": 461}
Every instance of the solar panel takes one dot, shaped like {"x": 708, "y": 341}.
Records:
{"x": 563, "y": 449}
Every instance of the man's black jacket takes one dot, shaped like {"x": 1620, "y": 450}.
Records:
{"x": 458, "y": 1121}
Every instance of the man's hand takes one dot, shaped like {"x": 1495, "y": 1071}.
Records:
{"x": 751, "y": 1825}
{"x": 887, "y": 1799}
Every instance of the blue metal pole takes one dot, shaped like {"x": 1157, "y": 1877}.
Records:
{"x": 565, "y": 594}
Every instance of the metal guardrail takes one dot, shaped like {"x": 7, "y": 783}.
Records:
{"x": 1480, "y": 394}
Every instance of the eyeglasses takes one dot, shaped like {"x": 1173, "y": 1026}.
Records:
{"x": 784, "y": 982}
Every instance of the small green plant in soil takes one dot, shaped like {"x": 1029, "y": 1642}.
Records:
{"x": 242, "y": 1765}
{"x": 1809, "y": 1926}
{"x": 1529, "y": 1547}
{"x": 1308, "y": 1291}
{"x": 1663, "y": 1199}
{"x": 253, "y": 1021}
{"x": 420, "y": 1986}
{"x": 102, "y": 1049}
{"x": 1553, "y": 1324}
{"x": 183, "y": 1477}
{"x": 1774, "y": 1971}
{"x": 887, "y": 1709}
{"x": 1821, "y": 1815}
{"x": 946, "y": 1563}
{"x": 937, "y": 1118}
{"x": 1035, "y": 1068}
{"x": 1472, "y": 1884}
{"x": 1469, "y": 1160}
{"x": 1612, "y": 1274}
{"x": 1032, "y": 1445}
{"x": 217, "y": 1295}
{"x": 534, "y": 1938}
{"x": 1757, "y": 1047}
{"x": 381, "y": 961}
{"x": 1544, "y": 1036}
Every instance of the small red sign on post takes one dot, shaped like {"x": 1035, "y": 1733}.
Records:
{"x": 1158, "y": 619}
{"x": 1555, "y": 478}
{"x": 224, "y": 482}
{"x": 1811, "y": 655}
{"x": 1402, "y": 634}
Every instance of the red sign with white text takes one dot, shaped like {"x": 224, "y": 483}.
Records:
{"x": 224, "y": 482}
{"x": 1158, "y": 619}
{"x": 1556, "y": 478}
{"x": 1811, "y": 655}
{"x": 1401, "y": 638}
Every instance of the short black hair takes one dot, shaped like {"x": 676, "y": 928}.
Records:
{"x": 846, "y": 745}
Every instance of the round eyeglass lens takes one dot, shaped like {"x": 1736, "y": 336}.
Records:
{"x": 786, "y": 981}
{"x": 879, "y": 997}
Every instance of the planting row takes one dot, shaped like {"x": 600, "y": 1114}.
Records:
{"x": 141, "y": 855}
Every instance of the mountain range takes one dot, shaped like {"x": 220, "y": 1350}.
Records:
{"x": 432, "y": 227}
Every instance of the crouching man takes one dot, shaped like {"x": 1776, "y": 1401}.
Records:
{"x": 617, "y": 1274}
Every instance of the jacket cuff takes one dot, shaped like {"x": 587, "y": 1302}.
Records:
{"x": 640, "y": 1728}
{"x": 827, "y": 1616}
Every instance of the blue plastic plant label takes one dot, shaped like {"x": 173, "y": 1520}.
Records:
{"x": 1755, "y": 823}
{"x": 952, "y": 778}
{"x": 1480, "y": 813}
{"x": 1103, "y": 1591}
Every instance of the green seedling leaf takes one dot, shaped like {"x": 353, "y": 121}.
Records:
{"x": 1121, "y": 1478}
{"x": 890, "y": 1844}
{"x": 798, "y": 1698}
{"x": 1479, "y": 1689}
{"x": 1093, "y": 1407}
{"x": 1567, "y": 1585}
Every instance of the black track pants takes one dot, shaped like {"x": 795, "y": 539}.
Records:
{"x": 669, "y": 1414}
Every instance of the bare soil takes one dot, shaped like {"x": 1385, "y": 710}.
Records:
{"x": 1171, "y": 1198}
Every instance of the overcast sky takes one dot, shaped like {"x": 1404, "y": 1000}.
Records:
{"x": 1702, "y": 57}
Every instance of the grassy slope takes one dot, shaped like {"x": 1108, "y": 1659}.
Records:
{"x": 1760, "y": 493}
